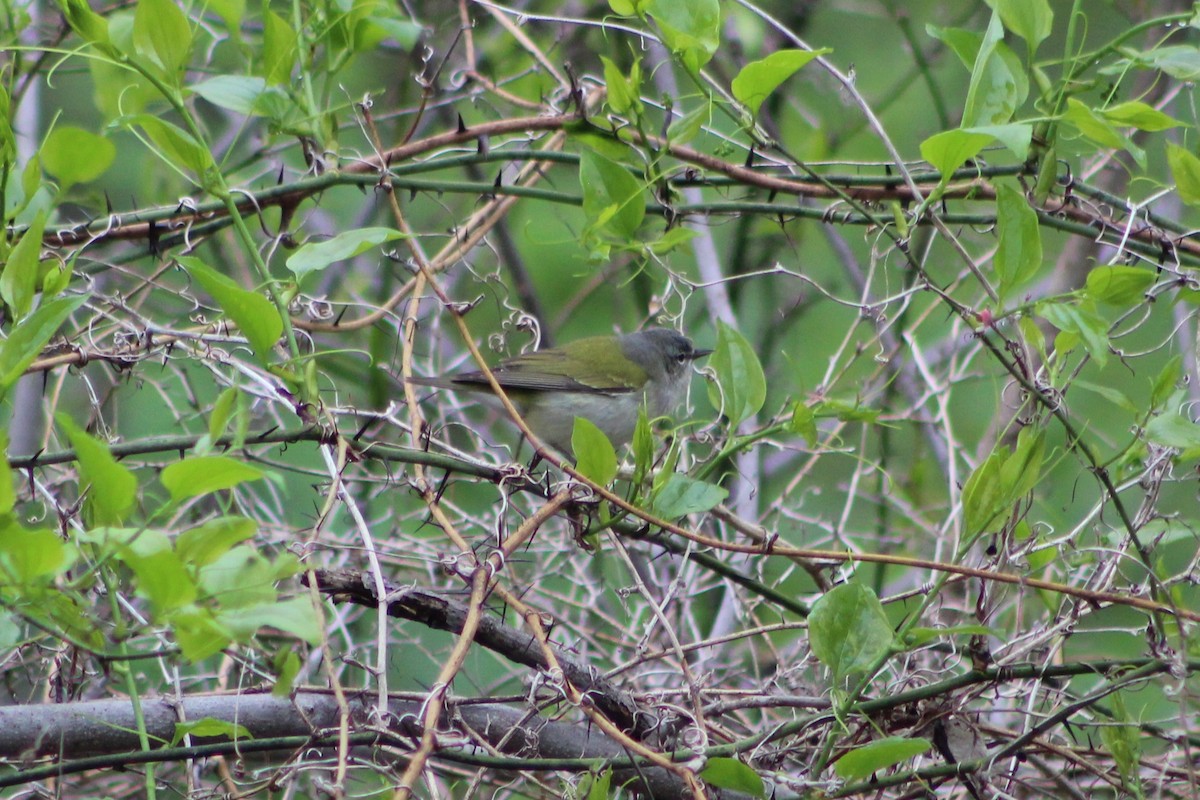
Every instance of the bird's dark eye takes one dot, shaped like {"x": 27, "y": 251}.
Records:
{"x": 682, "y": 358}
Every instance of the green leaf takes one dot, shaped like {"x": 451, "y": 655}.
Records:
{"x": 1119, "y": 285}
{"x": 597, "y": 787}
{"x": 963, "y": 42}
{"x": 1123, "y": 741}
{"x": 110, "y": 487}
{"x": 1015, "y": 136}
{"x": 194, "y": 477}
{"x": 90, "y": 26}
{"x": 161, "y": 578}
{"x": 848, "y": 629}
{"x": 626, "y": 8}
{"x": 1019, "y": 254}
{"x": 755, "y": 82}
{"x": 8, "y": 492}
{"x": 983, "y": 498}
{"x": 161, "y": 32}
{"x": 741, "y": 387}
{"x": 862, "y": 762}
{"x": 255, "y": 315}
{"x": 27, "y": 555}
{"x": 804, "y": 423}
{"x": 949, "y": 150}
{"x": 643, "y": 447}
{"x": 293, "y": 616}
{"x": 1166, "y": 381}
{"x": 624, "y": 94}
{"x": 72, "y": 155}
{"x": 682, "y": 495}
{"x": 210, "y": 728}
{"x": 1173, "y": 430}
{"x": 1185, "y": 169}
{"x": 1099, "y": 130}
{"x": 279, "y": 51}
{"x": 201, "y": 546}
{"x": 1180, "y": 61}
{"x": 28, "y": 337}
{"x": 690, "y": 30}
{"x": 1081, "y": 321}
{"x": 18, "y": 281}
{"x": 238, "y": 93}
{"x": 317, "y": 256}
{"x": 686, "y": 128}
{"x": 998, "y": 84}
{"x": 595, "y": 457}
{"x": 1138, "y": 115}
{"x": 731, "y": 774}
{"x": 175, "y": 145}
{"x": 198, "y": 633}
{"x": 286, "y": 665}
{"x": 239, "y": 578}
{"x": 1032, "y": 20}
{"x": 612, "y": 197}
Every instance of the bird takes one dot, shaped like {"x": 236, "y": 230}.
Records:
{"x": 603, "y": 379}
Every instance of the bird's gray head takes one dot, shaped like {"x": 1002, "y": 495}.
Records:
{"x": 662, "y": 352}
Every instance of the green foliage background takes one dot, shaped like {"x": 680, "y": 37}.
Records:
{"x": 944, "y": 252}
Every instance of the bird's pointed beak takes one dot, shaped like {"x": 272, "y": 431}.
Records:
{"x": 700, "y": 353}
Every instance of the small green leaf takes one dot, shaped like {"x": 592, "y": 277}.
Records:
{"x": 624, "y": 94}
{"x": 1119, "y": 285}
{"x": 194, "y": 477}
{"x": 596, "y": 458}
{"x": 643, "y": 447}
{"x": 1173, "y": 430}
{"x": 319, "y": 255}
{"x": 238, "y": 93}
{"x": 1015, "y": 136}
{"x": 597, "y": 787}
{"x": 1082, "y": 322}
{"x": 983, "y": 499}
{"x": 88, "y": 24}
{"x": 949, "y": 150}
{"x": 72, "y": 155}
{"x": 626, "y": 8}
{"x": 741, "y": 387}
{"x": 1032, "y": 20}
{"x": 293, "y": 616}
{"x": 1099, "y": 130}
{"x": 731, "y": 774}
{"x": 210, "y": 728}
{"x": 27, "y": 555}
{"x": 254, "y": 314}
{"x": 690, "y": 30}
{"x": 686, "y": 128}
{"x": 612, "y": 197}
{"x": 1019, "y": 254}
{"x": 162, "y": 578}
{"x": 804, "y": 423}
{"x": 201, "y": 546}
{"x": 862, "y": 762}
{"x": 286, "y": 665}
{"x": 198, "y": 633}
{"x": 1185, "y": 169}
{"x": 1138, "y": 115}
{"x": 998, "y": 84}
{"x": 682, "y": 495}
{"x": 755, "y": 82}
{"x": 175, "y": 145}
{"x": 848, "y": 629}
{"x": 27, "y": 339}
{"x": 110, "y": 487}
{"x": 161, "y": 32}
{"x": 279, "y": 51}
{"x": 8, "y": 492}
{"x": 18, "y": 281}
{"x": 1166, "y": 381}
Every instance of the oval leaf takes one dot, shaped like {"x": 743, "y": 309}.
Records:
{"x": 319, "y": 255}
{"x": 741, "y": 387}
{"x": 758, "y": 79}
{"x": 194, "y": 477}
{"x": 848, "y": 629}
{"x": 596, "y": 458}
{"x": 861, "y": 762}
